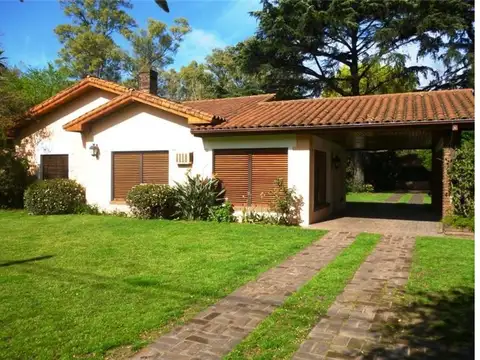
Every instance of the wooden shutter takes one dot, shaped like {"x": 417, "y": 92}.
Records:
{"x": 126, "y": 173}
{"x": 155, "y": 167}
{"x": 54, "y": 166}
{"x": 232, "y": 168}
{"x": 267, "y": 166}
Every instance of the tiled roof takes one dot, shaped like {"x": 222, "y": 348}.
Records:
{"x": 194, "y": 115}
{"x": 229, "y": 107}
{"x": 404, "y": 108}
{"x": 74, "y": 91}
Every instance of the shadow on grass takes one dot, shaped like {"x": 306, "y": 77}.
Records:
{"x": 16, "y": 262}
{"x": 398, "y": 211}
{"x": 433, "y": 326}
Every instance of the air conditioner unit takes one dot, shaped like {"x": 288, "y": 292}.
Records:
{"x": 184, "y": 158}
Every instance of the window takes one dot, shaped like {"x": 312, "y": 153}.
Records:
{"x": 54, "y": 167}
{"x": 133, "y": 168}
{"x": 320, "y": 179}
{"x": 248, "y": 175}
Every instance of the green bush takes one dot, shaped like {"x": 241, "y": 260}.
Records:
{"x": 222, "y": 213}
{"x": 56, "y": 196}
{"x": 462, "y": 175}
{"x": 151, "y": 201}
{"x": 460, "y": 222}
{"x": 197, "y": 196}
{"x": 286, "y": 204}
{"x": 14, "y": 179}
{"x": 87, "y": 209}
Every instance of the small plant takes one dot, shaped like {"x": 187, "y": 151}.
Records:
{"x": 56, "y": 196}
{"x": 196, "y": 196}
{"x": 286, "y": 204}
{"x": 254, "y": 216}
{"x": 222, "y": 213}
{"x": 88, "y": 209}
{"x": 460, "y": 222}
{"x": 151, "y": 201}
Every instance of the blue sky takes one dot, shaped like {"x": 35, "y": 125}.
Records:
{"x": 28, "y": 39}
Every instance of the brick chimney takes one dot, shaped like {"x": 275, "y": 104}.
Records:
{"x": 148, "y": 81}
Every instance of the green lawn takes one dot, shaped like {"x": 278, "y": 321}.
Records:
{"x": 280, "y": 334}
{"x": 368, "y": 197}
{"x": 437, "y": 310}
{"x": 101, "y": 281}
{"x": 404, "y": 199}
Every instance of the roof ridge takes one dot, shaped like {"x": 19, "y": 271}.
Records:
{"x": 336, "y": 98}
{"x": 230, "y": 98}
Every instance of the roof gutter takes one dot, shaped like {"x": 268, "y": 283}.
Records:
{"x": 286, "y": 129}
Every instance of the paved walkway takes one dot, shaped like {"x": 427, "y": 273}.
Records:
{"x": 394, "y": 198}
{"x": 214, "y": 332}
{"x": 348, "y": 330}
{"x": 416, "y": 199}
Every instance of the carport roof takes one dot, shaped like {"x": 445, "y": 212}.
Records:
{"x": 416, "y": 108}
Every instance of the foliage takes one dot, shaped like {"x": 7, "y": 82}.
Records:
{"x": 21, "y": 90}
{"x": 462, "y": 177}
{"x": 356, "y": 187}
{"x": 224, "y": 74}
{"x": 88, "y": 44}
{"x": 374, "y": 82}
{"x": 258, "y": 216}
{"x": 461, "y": 222}
{"x": 444, "y": 30}
{"x": 3, "y": 60}
{"x": 145, "y": 277}
{"x": 286, "y": 204}
{"x": 14, "y": 179}
{"x": 88, "y": 209}
{"x": 309, "y": 40}
{"x": 196, "y": 196}
{"x": 55, "y": 196}
{"x": 192, "y": 82}
{"x": 156, "y": 46}
{"x": 222, "y": 213}
{"x": 151, "y": 201}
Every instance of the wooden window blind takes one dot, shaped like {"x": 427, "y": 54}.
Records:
{"x": 54, "y": 166}
{"x": 248, "y": 175}
{"x": 320, "y": 179}
{"x": 231, "y": 167}
{"x": 267, "y": 166}
{"x": 133, "y": 168}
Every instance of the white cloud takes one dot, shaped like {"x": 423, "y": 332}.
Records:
{"x": 196, "y": 46}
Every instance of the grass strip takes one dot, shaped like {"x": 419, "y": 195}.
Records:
{"x": 404, "y": 199}
{"x": 427, "y": 199}
{"x": 368, "y": 197}
{"x": 280, "y": 334}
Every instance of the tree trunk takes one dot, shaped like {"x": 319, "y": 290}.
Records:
{"x": 358, "y": 174}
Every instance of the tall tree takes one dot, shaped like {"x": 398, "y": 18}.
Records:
{"x": 192, "y": 82}
{"x": 88, "y": 45}
{"x": 310, "y": 40}
{"x": 444, "y": 30}
{"x": 3, "y": 60}
{"x": 374, "y": 82}
{"x": 156, "y": 46}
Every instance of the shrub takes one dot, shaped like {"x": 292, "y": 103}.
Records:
{"x": 357, "y": 187}
{"x": 460, "y": 222}
{"x": 151, "y": 201}
{"x": 196, "y": 196}
{"x": 56, "y": 196}
{"x": 286, "y": 204}
{"x": 14, "y": 179}
{"x": 222, "y": 213}
{"x": 87, "y": 209}
{"x": 462, "y": 175}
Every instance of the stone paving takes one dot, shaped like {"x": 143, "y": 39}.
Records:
{"x": 394, "y": 198}
{"x": 348, "y": 330}
{"x": 214, "y": 332}
{"x": 416, "y": 199}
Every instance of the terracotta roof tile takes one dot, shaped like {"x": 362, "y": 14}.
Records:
{"x": 74, "y": 91}
{"x": 132, "y": 96}
{"x": 416, "y": 107}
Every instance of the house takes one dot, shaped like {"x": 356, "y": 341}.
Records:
{"x": 137, "y": 137}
